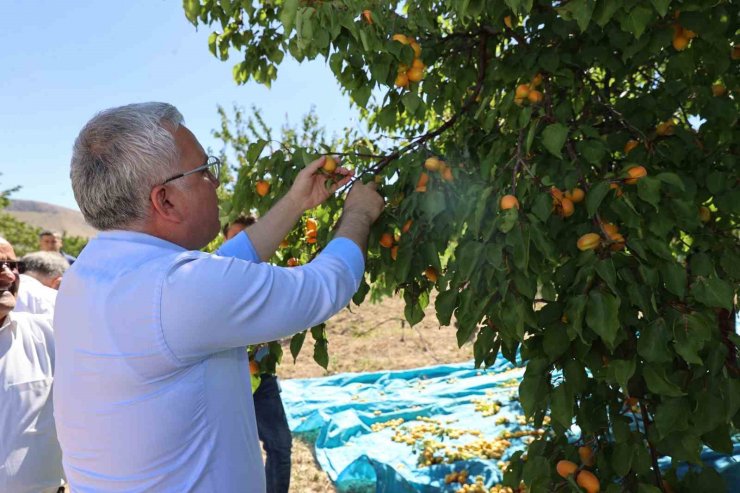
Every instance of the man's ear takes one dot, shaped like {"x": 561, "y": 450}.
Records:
{"x": 165, "y": 204}
{"x": 55, "y": 283}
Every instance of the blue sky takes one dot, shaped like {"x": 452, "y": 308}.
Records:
{"x": 62, "y": 61}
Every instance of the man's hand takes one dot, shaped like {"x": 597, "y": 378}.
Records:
{"x": 365, "y": 200}
{"x": 361, "y": 209}
{"x": 311, "y": 188}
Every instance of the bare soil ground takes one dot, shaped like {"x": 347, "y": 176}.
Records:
{"x": 372, "y": 337}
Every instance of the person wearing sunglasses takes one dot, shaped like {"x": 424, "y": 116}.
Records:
{"x": 151, "y": 367}
{"x": 30, "y": 457}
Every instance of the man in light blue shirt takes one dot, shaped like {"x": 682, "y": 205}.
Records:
{"x": 149, "y": 391}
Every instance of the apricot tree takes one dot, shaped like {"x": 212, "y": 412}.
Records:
{"x": 580, "y": 211}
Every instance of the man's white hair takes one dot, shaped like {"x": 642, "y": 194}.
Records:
{"x": 120, "y": 154}
{"x": 48, "y": 265}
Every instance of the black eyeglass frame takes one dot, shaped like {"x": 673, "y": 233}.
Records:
{"x": 210, "y": 162}
{"x": 14, "y": 265}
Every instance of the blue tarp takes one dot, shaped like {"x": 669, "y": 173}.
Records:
{"x": 371, "y": 430}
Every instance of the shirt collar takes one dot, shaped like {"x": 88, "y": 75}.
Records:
{"x": 7, "y": 322}
{"x": 137, "y": 237}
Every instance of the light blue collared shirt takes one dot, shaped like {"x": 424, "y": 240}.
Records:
{"x": 151, "y": 391}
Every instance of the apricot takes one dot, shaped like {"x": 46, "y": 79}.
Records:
{"x": 417, "y": 49}
{"x": 263, "y": 188}
{"x": 565, "y": 468}
{"x": 631, "y": 144}
{"x": 415, "y": 74}
{"x": 536, "y": 80}
{"x": 522, "y": 91}
{"x": 589, "y": 241}
{"x": 576, "y": 195}
{"x": 400, "y": 38}
{"x": 431, "y": 274}
{"x": 421, "y": 185}
{"x": 447, "y": 174}
{"x": 586, "y": 454}
{"x": 588, "y": 481}
{"x": 402, "y": 80}
{"x": 254, "y": 367}
{"x": 566, "y": 208}
{"x": 407, "y": 226}
{"x": 507, "y": 22}
{"x": 535, "y": 96}
{"x": 705, "y": 215}
{"x": 368, "y": 16}
{"x": 635, "y": 173}
{"x": 433, "y": 164}
{"x": 666, "y": 128}
{"x": 508, "y": 201}
{"x": 718, "y": 90}
{"x": 680, "y": 43}
{"x": 311, "y": 224}
{"x": 617, "y": 189}
{"x": 293, "y": 262}
{"x": 394, "y": 252}
{"x": 330, "y": 165}
{"x": 386, "y": 240}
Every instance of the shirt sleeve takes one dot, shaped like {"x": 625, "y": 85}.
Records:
{"x": 240, "y": 246}
{"x": 212, "y": 303}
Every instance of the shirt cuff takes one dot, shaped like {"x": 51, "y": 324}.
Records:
{"x": 240, "y": 246}
{"x": 347, "y": 251}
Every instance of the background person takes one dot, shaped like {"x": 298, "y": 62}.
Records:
{"x": 40, "y": 282}
{"x": 151, "y": 367}
{"x": 30, "y": 458}
{"x": 51, "y": 241}
{"x": 272, "y": 424}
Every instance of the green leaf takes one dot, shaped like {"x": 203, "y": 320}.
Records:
{"x": 411, "y": 101}
{"x": 534, "y": 386}
{"x": 605, "y": 11}
{"x": 321, "y": 353}
{"x": 672, "y": 415}
{"x": 637, "y": 20}
{"x": 622, "y": 370}
{"x": 713, "y": 292}
{"x": 445, "y": 305}
{"x": 622, "y": 458}
{"x": 433, "y": 203}
{"x": 658, "y": 383}
{"x": 674, "y": 277}
{"x": 192, "y": 10}
{"x": 296, "y": 343}
{"x": 605, "y": 270}
{"x": 653, "y": 344}
{"x": 647, "y": 488}
{"x": 671, "y": 179}
{"x": 288, "y": 15}
{"x": 580, "y": 10}
{"x": 555, "y": 342}
{"x": 648, "y": 189}
{"x": 542, "y": 207}
{"x": 468, "y": 258}
{"x": 602, "y": 315}
{"x": 661, "y": 6}
{"x": 595, "y": 196}
{"x": 561, "y": 406}
{"x": 553, "y": 138}
{"x": 575, "y": 375}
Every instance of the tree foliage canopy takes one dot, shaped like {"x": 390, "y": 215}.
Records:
{"x": 620, "y": 301}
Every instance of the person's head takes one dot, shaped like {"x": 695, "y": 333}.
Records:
{"x": 237, "y": 225}
{"x": 9, "y": 278}
{"x": 131, "y": 169}
{"x": 46, "y": 267}
{"x": 50, "y": 241}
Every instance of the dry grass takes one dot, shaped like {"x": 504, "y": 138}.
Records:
{"x": 372, "y": 337}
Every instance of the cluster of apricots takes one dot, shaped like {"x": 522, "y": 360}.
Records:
{"x": 591, "y": 241}
{"x": 415, "y": 72}
{"x": 434, "y": 164}
{"x": 564, "y": 202}
{"x": 529, "y": 91}
{"x": 390, "y": 240}
{"x": 585, "y": 479}
{"x": 311, "y": 230}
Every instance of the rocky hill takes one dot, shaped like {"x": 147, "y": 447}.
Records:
{"x": 49, "y": 216}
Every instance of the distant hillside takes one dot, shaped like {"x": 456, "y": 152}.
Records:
{"x": 53, "y": 217}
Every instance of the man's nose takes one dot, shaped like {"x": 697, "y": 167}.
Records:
{"x": 6, "y": 272}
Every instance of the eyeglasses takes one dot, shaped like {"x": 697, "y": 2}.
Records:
{"x": 212, "y": 167}
{"x": 13, "y": 265}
